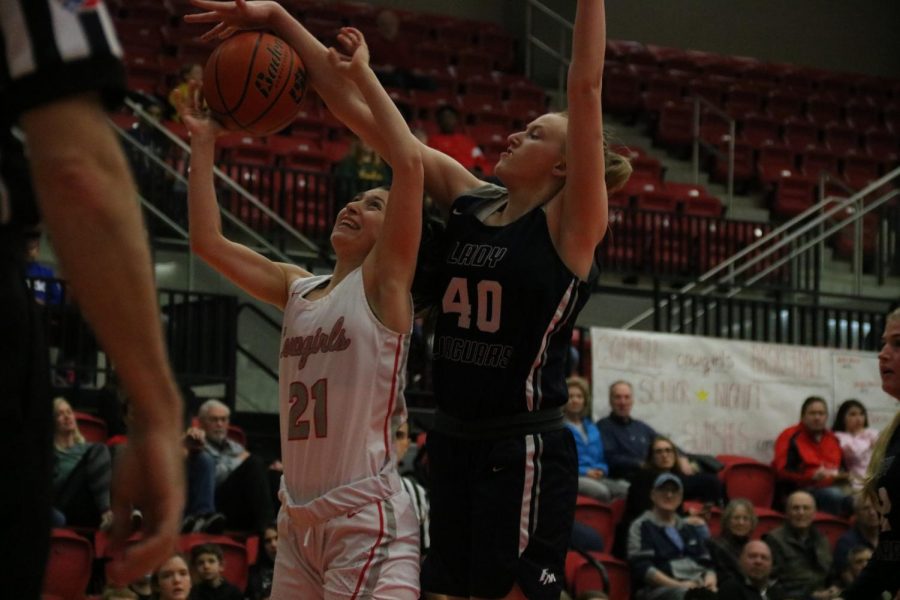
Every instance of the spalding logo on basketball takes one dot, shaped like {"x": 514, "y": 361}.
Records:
{"x": 254, "y": 83}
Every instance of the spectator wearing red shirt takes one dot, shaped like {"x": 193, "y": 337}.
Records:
{"x": 457, "y": 145}
{"x": 808, "y": 457}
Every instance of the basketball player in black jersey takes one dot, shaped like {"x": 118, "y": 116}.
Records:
{"x": 513, "y": 279}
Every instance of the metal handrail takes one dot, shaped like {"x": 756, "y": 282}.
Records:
{"x": 732, "y": 134}
{"x": 291, "y": 231}
{"x": 559, "y": 54}
{"x": 787, "y": 236}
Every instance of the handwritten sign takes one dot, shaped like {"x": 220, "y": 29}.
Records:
{"x": 715, "y": 396}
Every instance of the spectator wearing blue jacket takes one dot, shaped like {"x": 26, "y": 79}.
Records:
{"x": 593, "y": 472}
{"x": 667, "y": 553}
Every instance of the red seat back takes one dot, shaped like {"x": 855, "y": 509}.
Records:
{"x": 582, "y": 576}
{"x": 92, "y": 428}
{"x": 68, "y": 566}
{"x": 751, "y": 480}
{"x": 598, "y": 516}
{"x": 830, "y": 526}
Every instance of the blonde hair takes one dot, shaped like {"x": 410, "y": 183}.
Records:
{"x": 57, "y": 403}
{"x": 617, "y": 167}
{"x": 870, "y": 487}
{"x": 582, "y": 384}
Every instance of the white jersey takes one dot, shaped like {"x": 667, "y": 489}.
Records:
{"x": 340, "y": 390}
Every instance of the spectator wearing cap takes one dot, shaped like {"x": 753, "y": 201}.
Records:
{"x": 668, "y": 553}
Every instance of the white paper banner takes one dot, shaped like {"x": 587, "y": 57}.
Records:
{"x": 717, "y": 396}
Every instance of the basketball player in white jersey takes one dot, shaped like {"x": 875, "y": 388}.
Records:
{"x": 346, "y": 528}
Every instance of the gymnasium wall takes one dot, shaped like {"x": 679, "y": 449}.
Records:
{"x": 832, "y": 34}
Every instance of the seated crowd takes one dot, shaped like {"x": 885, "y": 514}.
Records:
{"x": 669, "y": 549}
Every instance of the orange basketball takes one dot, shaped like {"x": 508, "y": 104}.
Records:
{"x": 254, "y": 83}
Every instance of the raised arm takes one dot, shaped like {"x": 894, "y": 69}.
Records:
{"x": 252, "y": 272}
{"x": 445, "y": 179}
{"x": 584, "y": 211}
{"x": 89, "y": 203}
{"x": 388, "y": 270}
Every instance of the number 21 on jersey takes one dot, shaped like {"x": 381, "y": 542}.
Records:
{"x": 298, "y": 426}
{"x": 487, "y": 303}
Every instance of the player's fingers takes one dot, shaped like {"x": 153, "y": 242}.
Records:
{"x": 204, "y": 17}
{"x": 212, "y": 4}
{"x": 227, "y": 32}
{"x": 213, "y": 32}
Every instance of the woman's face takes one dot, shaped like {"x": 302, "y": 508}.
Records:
{"x": 536, "y": 151}
{"x": 358, "y": 224}
{"x": 854, "y": 419}
{"x": 663, "y": 455}
{"x": 174, "y": 579}
{"x": 740, "y": 523}
{"x": 64, "y": 417}
{"x": 576, "y": 401}
{"x": 889, "y": 359}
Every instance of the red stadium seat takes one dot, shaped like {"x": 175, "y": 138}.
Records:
{"x": 598, "y": 516}
{"x": 675, "y": 128}
{"x": 793, "y": 195}
{"x": 799, "y": 134}
{"x": 823, "y": 109}
{"x": 93, "y": 428}
{"x": 767, "y": 520}
{"x": 859, "y": 169}
{"x": 752, "y": 480}
{"x": 621, "y": 91}
{"x": 840, "y": 137}
{"x": 582, "y": 576}
{"x": 815, "y": 161}
{"x": 783, "y": 105}
{"x": 862, "y": 114}
{"x": 757, "y": 129}
{"x": 68, "y": 566}
{"x": 774, "y": 163}
{"x": 831, "y": 527}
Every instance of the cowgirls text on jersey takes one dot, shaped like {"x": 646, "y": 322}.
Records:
{"x": 305, "y": 345}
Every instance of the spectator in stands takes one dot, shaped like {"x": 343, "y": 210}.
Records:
{"x": 864, "y": 532}
{"x": 453, "y": 142}
{"x": 172, "y": 579}
{"x": 208, "y": 563}
{"x": 416, "y": 492}
{"x": 593, "y": 471}
{"x": 667, "y": 553}
{"x": 857, "y": 559}
{"x": 259, "y": 582}
{"x": 360, "y": 170}
{"x": 801, "y": 553}
{"x": 45, "y": 290}
{"x": 242, "y": 488}
{"x": 626, "y": 439}
{"x": 755, "y": 581}
{"x": 809, "y": 457}
{"x": 738, "y": 522}
{"x": 81, "y": 474}
{"x": 190, "y": 81}
{"x": 662, "y": 457}
{"x": 857, "y": 439}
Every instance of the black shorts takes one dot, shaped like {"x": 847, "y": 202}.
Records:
{"x": 26, "y": 429}
{"x": 501, "y": 513}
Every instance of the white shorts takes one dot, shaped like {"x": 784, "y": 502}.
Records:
{"x": 370, "y": 552}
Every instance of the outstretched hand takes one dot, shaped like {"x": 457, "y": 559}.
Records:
{"x": 356, "y": 57}
{"x": 196, "y": 116}
{"x": 149, "y": 474}
{"x": 231, "y": 17}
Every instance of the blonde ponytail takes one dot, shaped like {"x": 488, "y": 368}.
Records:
{"x": 870, "y": 487}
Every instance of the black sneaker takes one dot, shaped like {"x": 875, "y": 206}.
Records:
{"x": 212, "y": 523}
{"x": 188, "y": 524}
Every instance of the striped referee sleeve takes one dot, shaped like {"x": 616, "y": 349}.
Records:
{"x": 419, "y": 498}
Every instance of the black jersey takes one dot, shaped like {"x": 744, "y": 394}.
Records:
{"x": 507, "y": 306}
{"x": 882, "y": 573}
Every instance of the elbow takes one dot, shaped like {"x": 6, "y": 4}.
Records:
{"x": 584, "y": 86}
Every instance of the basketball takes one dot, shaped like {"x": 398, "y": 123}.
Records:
{"x": 254, "y": 83}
